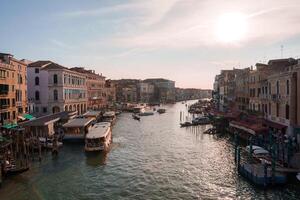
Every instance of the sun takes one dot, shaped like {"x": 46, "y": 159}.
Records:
{"x": 231, "y": 27}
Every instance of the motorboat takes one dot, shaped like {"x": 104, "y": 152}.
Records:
{"x": 146, "y": 113}
{"x": 99, "y": 137}
{"x": 254, "y": 147}
{"x": 298, "y": 176}
{"x": 201, "y": 121}
{"x": 109, "y": 116}
{"x": 136, "y": 117}
{"x": 260, "y": 152}
{"x": 186, "y": 124}
{"x": 161, "y": 110}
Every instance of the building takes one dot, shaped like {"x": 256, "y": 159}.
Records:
{"x": 110, "y": 93}
{"x": 146, "y": 92}
{"x": 96, "y": 92}
{"x": 13, "y": 89}
{"x": 54, "y": 88}
{"x": 126, "y": 90}
{"x": 227, "y": 85}
{"x": 183, "y": 94}
{"x": 242, "y": 90}
{"x": 164, "y": 90}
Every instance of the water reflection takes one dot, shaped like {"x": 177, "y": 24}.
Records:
{"x": 150, "y": 159}
{"x": 95, "y": 159}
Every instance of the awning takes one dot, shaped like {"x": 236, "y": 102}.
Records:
{"x": 29, "y": 117}
{"x": 274, "y": 125}
{"x": 10, "y": 126}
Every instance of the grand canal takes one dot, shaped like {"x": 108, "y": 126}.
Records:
{"x": 150, "y": 159}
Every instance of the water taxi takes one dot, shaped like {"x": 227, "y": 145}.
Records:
{"x": 138, "y": 109}
{"x": 99, "y": 137}
{"x": 109, "y": 117}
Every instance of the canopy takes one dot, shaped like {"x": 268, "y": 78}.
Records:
{"x": 10, "y": 126}
{"x": 77, "y": 123}
{"x": 29, "y": 117}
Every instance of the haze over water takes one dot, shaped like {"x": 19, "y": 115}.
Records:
{"x": 150, "y": 159}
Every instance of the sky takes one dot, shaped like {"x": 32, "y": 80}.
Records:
{"x": 188, "y": 41}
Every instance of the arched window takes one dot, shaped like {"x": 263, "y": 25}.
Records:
{"x": 287, "y": 87}
{"x": 55, "y": 95}
{"x": 37, "y": 81}
{"x": 37, "y": 95}
{"x": 55, "y": 78}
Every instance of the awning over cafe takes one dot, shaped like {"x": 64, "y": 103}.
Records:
{"x": 274, "y": 125}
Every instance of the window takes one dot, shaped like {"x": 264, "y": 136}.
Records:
{"x": 270, "y": 109}
{"x": 37, "y": 70}
{"x": 55, "y": 95}
{"x": 277, "y": 87}
{"x": 287, "y": 87}
{"x": 20, "y": 79}
{"x": 277, "y": 109}
{"x": 55, "y": 78}
{"x": 14, "y": 114}
{"x": 287, "y": 111}
{"x": 4, "y": 89}
{"x": 44, "y": 109}
{"x": 37, "y": 81}
{"x": 37, "y": 95}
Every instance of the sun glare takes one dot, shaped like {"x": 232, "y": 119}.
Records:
{"x": 231, "y": 27}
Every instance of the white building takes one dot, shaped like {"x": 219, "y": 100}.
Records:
{"x": 53, "y": 88}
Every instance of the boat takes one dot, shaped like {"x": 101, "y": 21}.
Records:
{"x": 109, "y": 116}
{"x": 161, "y": 110}
{"x": 298, "y": 176}
{"x": 48, "y": 143}
{"x": 254, "y": 147}
{"x": 186, "y": 124}
{"x": 99, "y": 137}
{"x": 260, "y": 152}
{"x": 201, "y": 121}
{"x": 136, "y": 117}
{"x": 138, "y": 109}
{"x": 147, "y": 113}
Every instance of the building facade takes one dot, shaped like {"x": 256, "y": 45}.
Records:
{"x": 54, "y": 88}
{"x": 96, "y": 92}
{"x": 13, "y": 88}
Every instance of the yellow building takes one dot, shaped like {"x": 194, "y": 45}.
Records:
{"x": 13, "y": 89}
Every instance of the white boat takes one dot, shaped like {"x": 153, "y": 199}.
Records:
{"x": 254, "y": 147}
{"x": 260, "y": 152}
{"x": 138, "y": 109}
{"x": 99, "y": 137}
{"x": 298, "y": 176}
{"x": 109, "y": 116}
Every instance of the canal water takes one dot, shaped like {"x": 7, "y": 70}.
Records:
{"x": 150, "y": 159}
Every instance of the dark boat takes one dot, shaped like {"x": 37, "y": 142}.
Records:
{"x": 186, "y": 124}
{"x": 161, "y": 110}
{"x": 136, "y": 117}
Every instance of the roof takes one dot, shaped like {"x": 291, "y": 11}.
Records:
{"x": 99, "y": 130}
{"x": 274, "y": 124}
{"x": 39, "y": 63}
{"x": 45, "y": 120}
{"x": 10, "y": 126}
{"x": 109, "y": 114}
{"x": 92, "y": 113}
{"x": 77, "y": 123}
{"x": 46, "y": 64}
{"x": 252, "y": 128}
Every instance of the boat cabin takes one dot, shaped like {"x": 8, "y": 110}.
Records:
{"x": 99, "y": 137}
{"x": 77, "y": 128}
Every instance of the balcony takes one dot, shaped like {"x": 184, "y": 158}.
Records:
{"x": 4, "y": 106}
